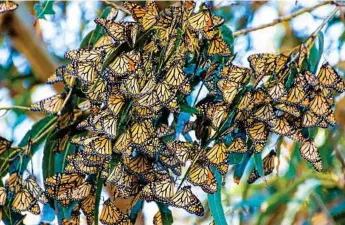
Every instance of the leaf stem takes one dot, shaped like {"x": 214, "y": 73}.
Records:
{"x": 281, "y": 19}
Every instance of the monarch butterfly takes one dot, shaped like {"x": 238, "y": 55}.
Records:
{"x": 327, "y": 76}
{"x": 268, "y": 164}
{"x": 88, "y": 204}
{"x": 258, "y": 132}
{"x": 110, "y": 214}
{"x": 161, "y": 190}
{"x": 281, "y": 126}
{"x": 141, "y": 131}
{"x": 131, "y": 86}
{"x": 120, "y": 67}
{"x": 276, "y": 90}
{"x": 158, "y": 219}
{"x": 265, "y": 113}
{"x": 101, "y": 146}
{"x": 122, "y": 179}
{"x": 237, "y": 146}
{"x": 94, "y": 55}
{"x": 303, "y": 55}
{"x": 310, "y": 78}
{"x": 184, "y": 198}
{"x": 138, "y": 165}
{"x": 234, "y": 73}
{"x": 319, "y": 104}
{"x": 64, "y": 178}
{"x": 150, "y": 16}
{"x": 106, "y": 43}
{"x": 64, "y": 73}
{"x": 167, "y": 17}
{"x": 217, "y": 155}
{"x": 151, "y": 147}
{"x": 201, "y": 175}
{"x": 122, "y": 143}
{"x": 4, "y": 145}
{"x": 136, "y": 10}
{"x": 229, "y": 90}
{"x": 7, "y": 6}
{"x": 14, "y": 182}
{"x": 3, "y": 196}
{"x": 109, "y": 125}
{"x": 218, "y": 47}
{"x": 259, "y": 96}
{"x": 164, "y": 93}
{"x": 81, "y": 192}
{"x": 22, "y": 201}
{"x": 118, "y": 32}
{"x": 292, "y": 110}
{"x": 115, "y": 102}
{"x": 309, "y": 119}
{"x": 181, "y": 150}
{"x": 98, "y": 91}
{"x": 309, "y": 152}
{"x": 245, "y": 102}
{"x": 201, "y": 21}
{"x": 172, "y": 162}
{"x": 295, "y": 96}
{"x": 175, "y": 75}
{"x": 266, "y": 64}
{"x": 329, "y": 118}
{"x": 53, "y": 104}
{"x": 87, "y": 72}
{"x": 75, "y": 217}
{"x": 217, "y": 113}
{"x": 35, "y": 190}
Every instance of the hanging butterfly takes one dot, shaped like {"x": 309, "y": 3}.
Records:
{"x": 110, "y": 214}
{"x": 53, "y": 104}
{"x": 3, "y": 196}
{"x": 237, "y": 146}
{"x": 327, "y": 76}
{"x": 229, "y": 90}
{"x": 184, "y": 198}
{"x": 201, "y": 175}
{"x": 161, "y": 190}
{"x": 310, "y": 153}
{"x": 268, "y": 166}
{"x": 217, "y": 155}
{"x": 4, "y": 145}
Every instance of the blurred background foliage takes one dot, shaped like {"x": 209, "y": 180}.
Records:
{"x": 34, "y": 38}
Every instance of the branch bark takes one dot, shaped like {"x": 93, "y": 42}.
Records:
{"x": 18, "y": 25}
{"x": 281, "y": 19}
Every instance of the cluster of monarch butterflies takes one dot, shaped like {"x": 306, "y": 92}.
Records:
{"x": 126, "y": 86}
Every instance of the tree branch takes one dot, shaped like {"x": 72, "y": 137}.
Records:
{"x": 281, "y": 19}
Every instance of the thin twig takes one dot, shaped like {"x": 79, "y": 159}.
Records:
{"x": 116, "y": 6}
{"x": 281, "y": 19}
{"x": 312, "y": 37}
{"x": 15, "y": 107}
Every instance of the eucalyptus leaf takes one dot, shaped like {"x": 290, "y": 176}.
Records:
{"x": 215, "y": 201}
{"x": 43, "y": 9}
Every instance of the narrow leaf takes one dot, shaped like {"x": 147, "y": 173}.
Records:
{"x": 166, "y": 214}
{"x": 45, "y": 8}
{"x": 259, "y": 164}
{"x": 215, "y": 201}
{"x": 316, "y": 52}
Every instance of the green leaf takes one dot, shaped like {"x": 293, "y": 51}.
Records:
{"x": 316, "y": 52}
{"x": 188, "y": 109}
{"x": 45, "y": 8}
{"x": 259, "y": 164}
{"x": 48, "y": 158}
{"x": 93, "y": 36}
{"x": 37, "y": 130}
{"x": 227, "y": 36}
{"x": 166, "y": 214}
{"x": 235, "y": 158}
{"x": 215, "y": 201}
{"x": 239, "y": 168}
{"x": 98, "y": 198}
{"x": 135, "y": 210}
